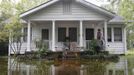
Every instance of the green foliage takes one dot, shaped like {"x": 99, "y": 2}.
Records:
{"x": 9, "y": 12}
{"x": 3, "y": 36}
{"x": 24, "y": 5}
{"x": 126, "y": 9}
{"x": 6, "y": 9}
{"x": 13, "y": 31}
{"x": 93, "y": 44}
{"x": 94, "y": 47}
{"x": 42, "y": 47}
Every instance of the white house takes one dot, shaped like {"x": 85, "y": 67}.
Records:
{"x": 79, "y": 20}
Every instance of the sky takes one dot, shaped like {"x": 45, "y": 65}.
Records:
{"x": 96, "y": 2}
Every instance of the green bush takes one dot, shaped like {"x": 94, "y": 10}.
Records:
{"x": 42, "y": 48}
{"x": 93, "y": 46}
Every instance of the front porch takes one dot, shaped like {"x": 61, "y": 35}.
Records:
{"x": 54, "y": 34}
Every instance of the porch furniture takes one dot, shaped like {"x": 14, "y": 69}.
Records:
{"x": 74, "y": 46}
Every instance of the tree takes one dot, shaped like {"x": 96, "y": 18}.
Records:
{"x": 13, "y": 31}
{"x": 8, "y": 10}
{"x": 126, "y": 9}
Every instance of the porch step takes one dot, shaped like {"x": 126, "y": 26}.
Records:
{"x": 71, "y": 55}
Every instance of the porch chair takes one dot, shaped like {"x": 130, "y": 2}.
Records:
{"x": 74, "y": 46}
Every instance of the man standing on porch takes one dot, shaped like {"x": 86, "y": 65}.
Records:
{"x": 99, "y": 41}
{"x": 99, "y": 35}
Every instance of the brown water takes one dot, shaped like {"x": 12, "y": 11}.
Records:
{"x": 10, "y": 66}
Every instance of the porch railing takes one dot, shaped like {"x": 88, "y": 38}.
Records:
{"x": 88, "y": 43}
{"x": 70, "y": 46}
{"x": 45, "y": 43}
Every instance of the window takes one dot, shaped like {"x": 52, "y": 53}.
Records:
{"x": 117, "y": 34}
{"x": 45, "y": 34}
{"x": 61, "y": 34}
{"x": 109, "y": 35}
{"x": 89, "y": 34}
{"x": 25, "y": 34}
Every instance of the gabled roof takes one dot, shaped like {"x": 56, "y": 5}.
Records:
{"x": 117, "y": 19}
{"x": 37, "y": 8}
{"x": 83, "y": 2}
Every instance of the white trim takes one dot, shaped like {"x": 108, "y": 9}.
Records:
{"x": 112, "y": 34}
{"x": 69, "y": 19}
{"x": 53, "y": 35}
{"x": 105, "y": 32}
{"x": 38, "y": 8}
{"x": 29, "y": 36}
{"x": 81, "y": 33}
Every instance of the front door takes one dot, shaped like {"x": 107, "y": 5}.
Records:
{"x": 69, "y": 34}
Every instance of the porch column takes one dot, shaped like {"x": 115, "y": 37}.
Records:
{"x": 81, "y": 33}
{"x": 105, "y": 32}
{"x": 53, "y": 35}
{"x": 29, "y": 37}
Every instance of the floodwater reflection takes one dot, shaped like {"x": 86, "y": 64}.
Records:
{"x": 124, "y": 66}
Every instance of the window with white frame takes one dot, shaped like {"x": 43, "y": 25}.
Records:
{"x": 25, "y": 34}
{"x": 61, "y": 34}
{"x": 109, "y": 35}
{"x": 117, "y": 34}
{"x": 45, "y": 34}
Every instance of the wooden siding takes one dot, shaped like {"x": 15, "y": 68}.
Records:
{"x": 116, "y": 48}
{"x": 55, "y": 12}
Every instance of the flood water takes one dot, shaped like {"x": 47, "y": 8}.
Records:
{"x": 124, "y": 66}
